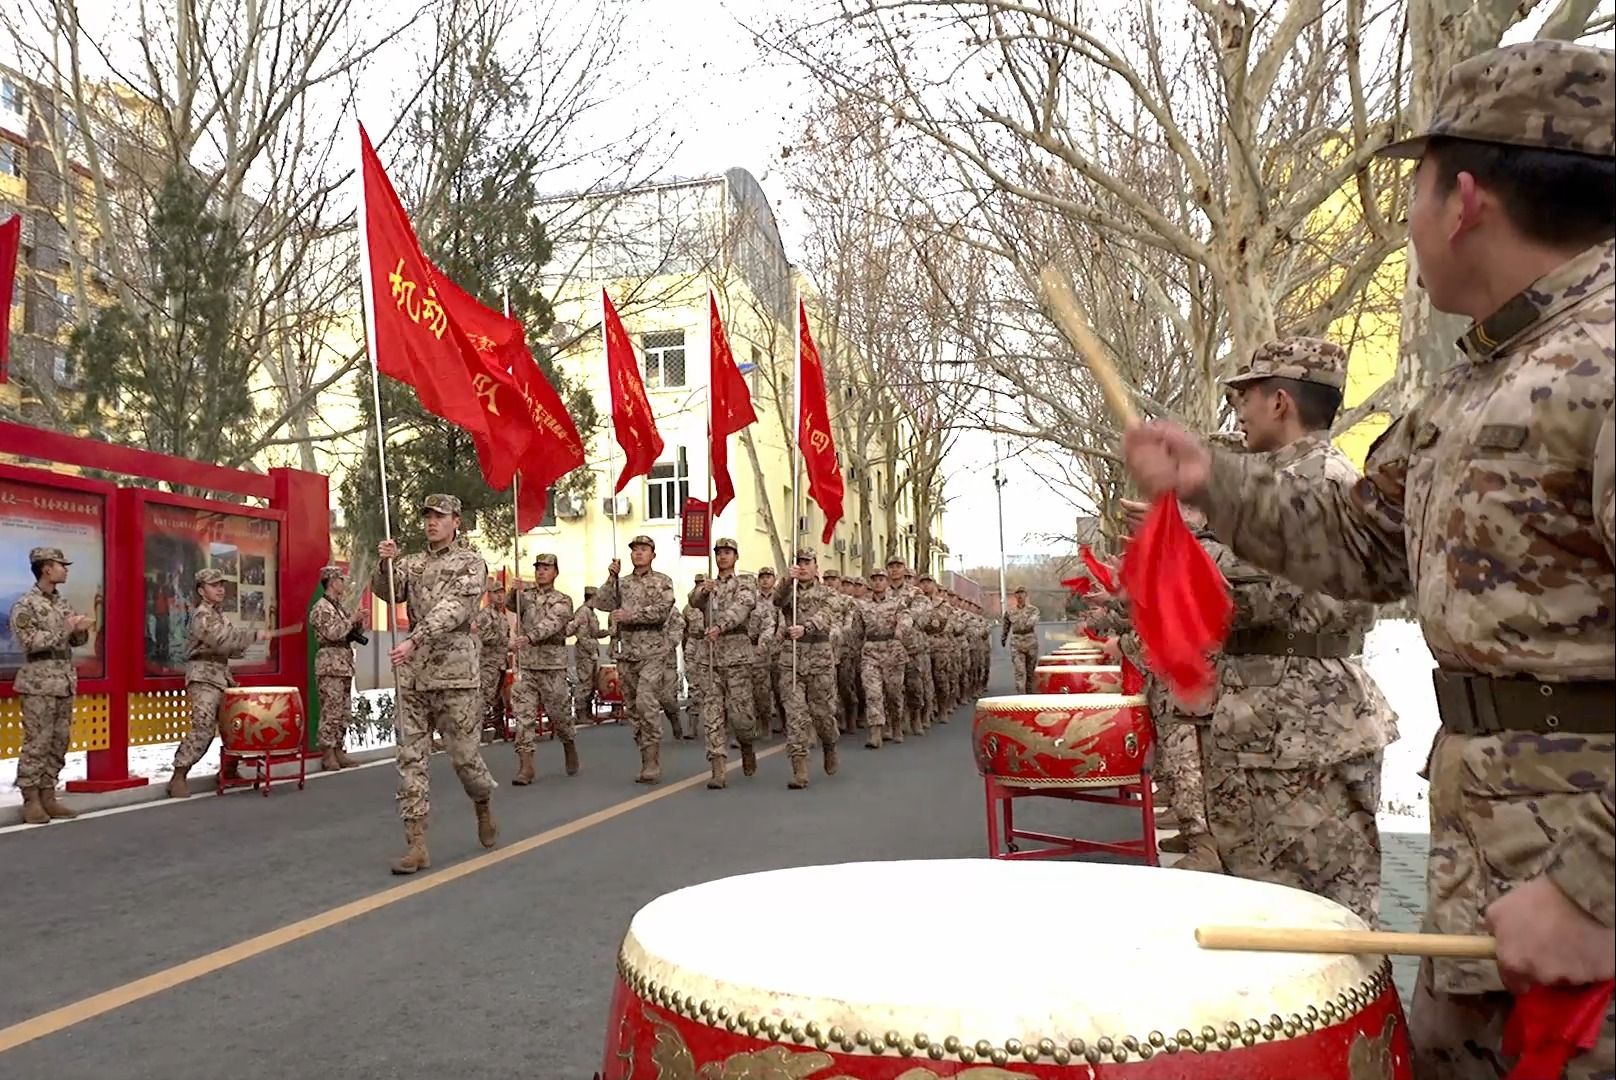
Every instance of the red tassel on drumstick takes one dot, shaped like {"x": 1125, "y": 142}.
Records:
{"x": 1180, "y": 604}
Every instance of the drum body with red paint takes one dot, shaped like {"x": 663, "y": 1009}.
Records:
{"x": 1077, "y": 679}
{"x": 261, "y": 720}
{"x": 1065, "y": 740}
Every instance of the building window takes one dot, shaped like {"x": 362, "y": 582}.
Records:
{"x": 664, "y": 358}
{"x": 667, "y": 488}
{"x": 65, "y": 306}
{"x": 10, "y": 159}
{"x": 62, "y": 369}
{"x": 12, "y": 99}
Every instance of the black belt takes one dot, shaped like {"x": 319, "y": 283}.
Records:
{"x": 1484, "y": 705}
{"x": 643, "y": 625}
{"x": 1337, "y": 646}
{"x": 878, "y": 637}
{"x": 554, "y": 639}
{"x": 813, "y": 639}
{"x": 210, "y": 659}
{"x": 51, "y": 654}
{"x": 732, "y": 630}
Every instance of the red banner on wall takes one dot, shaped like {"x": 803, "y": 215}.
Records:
{"x": 695, "y": 528}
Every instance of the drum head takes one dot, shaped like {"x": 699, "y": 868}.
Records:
{"x": 995, "y": 950}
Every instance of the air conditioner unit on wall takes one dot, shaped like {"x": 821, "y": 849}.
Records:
{"x": 840, "y": 546}
{"x": 569, "y": 506}
{"x": 615, "y": 506}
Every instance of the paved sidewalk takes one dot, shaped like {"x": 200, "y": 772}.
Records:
{"x": 1402, "y": 897}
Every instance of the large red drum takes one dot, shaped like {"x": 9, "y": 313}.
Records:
{"x": 608, "y": 685}
{"x": 884, "y": 999}
{"x": 261, "y": 720}
{"x": 1062, "y": 740}
{"x": 1078, "y": 679}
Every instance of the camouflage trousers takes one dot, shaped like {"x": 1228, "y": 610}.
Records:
{"x": 810, "y": 710}
{"x": 847, "y": 689}
{"x": 667, "y": 694}
{"x": 1457, "y": 1036}
{"x": 1309, "y": 828}
{"x": 1178, "y": 771}
{"x": 727, "y": 708}
{"x": 918, "y": 692}
{"x": 336, "y": 710}
{"x": 205, "y": 701}
{"x": 763, "y": 703}
{"x": 541, "y": 687}
{"x": 585, "y": 670}
{"x": 882, "y": 675}
{"x": 453, "y": 715}
{"x": 643, "y": 684}
{"x": 1023, "y": 658}
{"x": 943, "y": 664}
{"x": 490, "y": 674}
{"x": 47, "y": 727}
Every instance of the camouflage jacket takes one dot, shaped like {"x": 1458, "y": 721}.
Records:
{"x": 885, "y": 621}
{"x": 731, "y": 601}
{"x": 763, "y": 626}
{"x": 331, "y": 625}
{"x": 913, "y": 635}
{"x": 643, "y": 604}
{"x": 39, "y": 624}
{"x": 586, "y": 630}
{"x": 440, "y": 590}
{"x": 1022, "y": 622}
{"x": 493, "y": 632}
{"x": 210, "y": 643}
{"x": 1493, "y": 502}
{"x": 816, "y": 614}
{"x": 1290, "y": 712}
{"x": 546, "y": 614}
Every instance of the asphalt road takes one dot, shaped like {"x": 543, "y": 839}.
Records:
{"x": 505, "y": 972}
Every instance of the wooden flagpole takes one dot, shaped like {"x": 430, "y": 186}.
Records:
{"x": 367, "y": 293}
{"x": 516, "y": 535}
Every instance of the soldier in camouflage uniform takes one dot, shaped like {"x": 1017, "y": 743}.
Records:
{"x": 435, "y": 669}
{"x": 334, "y": 667}
{"x": 586, "y": 631}
{"x": 1021, "y": 622}
{"x": 726, "y": 657}
{"x": 642, "y": 604}
{"x": 668, "y": 691}
{"x": 541, "y": 658}
{"x": 811, "y": 685}
{"x": 1492, "y": 502}
{"x": 697, "y": 666}
{"x": 765, "y": 641}
{"x": 493, "y": 630}
{"x": 939, "y": 637}
{"x": 917, "y": 692}
{"x": 211, "y": 643}
{"x": 885, "y": 617}
{"x": 46, "y": 630}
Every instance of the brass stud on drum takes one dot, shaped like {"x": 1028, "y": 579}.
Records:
{"x": 934, "y": 1052}
{"x": 1184, "y": 1038}
{"x": 967, "y": 1055}
{"x": 1157, "y": 1039}
{"x": 1077, "y": 1047}
{"x": 861, "y": 1037}
{"x": 1224, "y": 1043}
{"x": 837, "y": 1034}
{"x": 1062, "y": 1056}
{"x": 1012, "y": 1046}
{"x": 952, "y": 1044}
{"x": 921, "y": 1040}
{"x": 1198, "y": 1045}
{"x": 812, "y": 1028}
{"x": 999, "y": 1057}
{"x": 1046, "y": 1047}
{"x": 983, "y": 1048}
{"x": 1105, "y": 1045}
{"x": 1030, "y": 1054}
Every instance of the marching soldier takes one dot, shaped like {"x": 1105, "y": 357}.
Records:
{"x": 211, "y": 643}
{"x": 541, "y": 657}
{"x": 668, "y": 692}
{"x": 436, "y": 671}
{"x": 728, "y": 657}
{"x": 762, "y": 630}
{"x": 936, "y": 625}
{"x": 885, "y": 617}
{"x": 334, "y": 667}
{"x": 697, "y": 665}
{"x": 810, "y": 685}
{"x": 586, "y": 632}
{"x": 1492, "y": 502}
{"x": 493, "y": 632}
{"x": 917, "y": 667}
{"x": 642, "y": 603}
{"x": 46, "y": 630}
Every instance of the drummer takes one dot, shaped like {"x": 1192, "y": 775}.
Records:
{"x": 1492, "y": 502}
{"x": 210, "y": 644}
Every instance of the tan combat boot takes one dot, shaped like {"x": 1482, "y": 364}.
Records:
{"x": 718, "y": 780}
{"x": 570, "y": 750}
{"x": 487, "y": 830}
{"x": 53, "y": 807}
{"x": 328, "y": 760}
{"x": 32, "y": 812}
{"x": 799, "y": 774}
{"x": 343, "y": 760}
{"x": 831, "y": 760}
{"x": 415, "y": 856}
{"x": 176, "y": 783}
{"x": 650, "y": 764}
{"x": 524, "y": 768}
{"x": 1177, "y": 844}
{"x": 874, "y": 741}
{"x": 748, "y": 759}
{"x": 1203, "y": 856}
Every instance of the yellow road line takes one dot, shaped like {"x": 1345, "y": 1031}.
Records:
{"x": 60, "y": 1019}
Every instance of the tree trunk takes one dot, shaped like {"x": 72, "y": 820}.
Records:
{"x": 764, "y": 500}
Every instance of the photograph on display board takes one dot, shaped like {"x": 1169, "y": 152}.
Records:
{"x": 37, "y": 515}
{"x": 252, "y": 570}
{"x": 179, "y": 542}
{"x": 253, "y": 611}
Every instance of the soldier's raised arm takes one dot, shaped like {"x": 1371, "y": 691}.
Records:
{"x": 383, "y": 582}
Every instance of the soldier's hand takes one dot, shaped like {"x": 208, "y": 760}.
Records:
{"x": 519, "y": 641}
{"x": 401, "y": 652}
{"x": 794, "y": 632}
{"x": 387, "y": 549}
{"x": 358, "y": 616}
{"x": 81, "y": 622}
{"x": 1164, "y": 457}
{"x": 614, "y": 567}
{"x": 712, "y": 633}
{"x": 1133, "y": 513}
{"x": 1545, "y": 939}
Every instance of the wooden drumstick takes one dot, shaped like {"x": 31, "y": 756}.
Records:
{"x": 1357, "y": 942}
{"x": 1057, "y": 290}
{"x": 295, "y": 628}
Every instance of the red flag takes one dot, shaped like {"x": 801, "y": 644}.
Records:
{"x": 1179, "y": 601}
{"x": 1101, "y": 572}
{"x": 413, "y": 337}
{"x": 1550, "y": 1025}
{"x": 556, "y": 448}
{"x": 10, "y": 244}
{"x": 813, "y": 429}
{"x": 631, "y": 410}
{"x": 1080, "y": 585}
{"x": 729, "y": 406}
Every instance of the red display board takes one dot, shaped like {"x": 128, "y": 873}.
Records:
{"x": 73, "y": 519}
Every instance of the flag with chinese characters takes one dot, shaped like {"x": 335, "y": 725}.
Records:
{"x": 729, "y": 408}
{"x": 10, "y": 244}
{"x": 631, "y": 410}
{"x": 556, "y": 449}
{"x": 414, "y": 338}
{"x": 814, "y": 440}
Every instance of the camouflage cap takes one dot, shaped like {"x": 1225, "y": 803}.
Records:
{"x": 1546, "y": 95}
{"x": 807, "y": 553}
{"x": 766, "y": 571}
{"x": 895, "y": 561}
{"x": 331, "y": 570}
{"x": 209, "y": 576}
{"x": 546, "y": 559}
{"x": 590, "y": 590}
{"x": 928, "y": 577}
{"x": 1227, "y": 440}
{"x": 48, "y": 554}
{"x": 1304, "y": 359}
{"x": 700, "y": 578}
{"x": 442, "y": 504}
{"x": 644, "y": 540}
{"x": 833, "y": 574}
{"x": 725, "y": 542}
{"x": 1021, "y": 590}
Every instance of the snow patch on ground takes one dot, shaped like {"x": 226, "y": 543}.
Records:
{"x": 156, "y": 762}
{"x": 1396, "y": 657}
